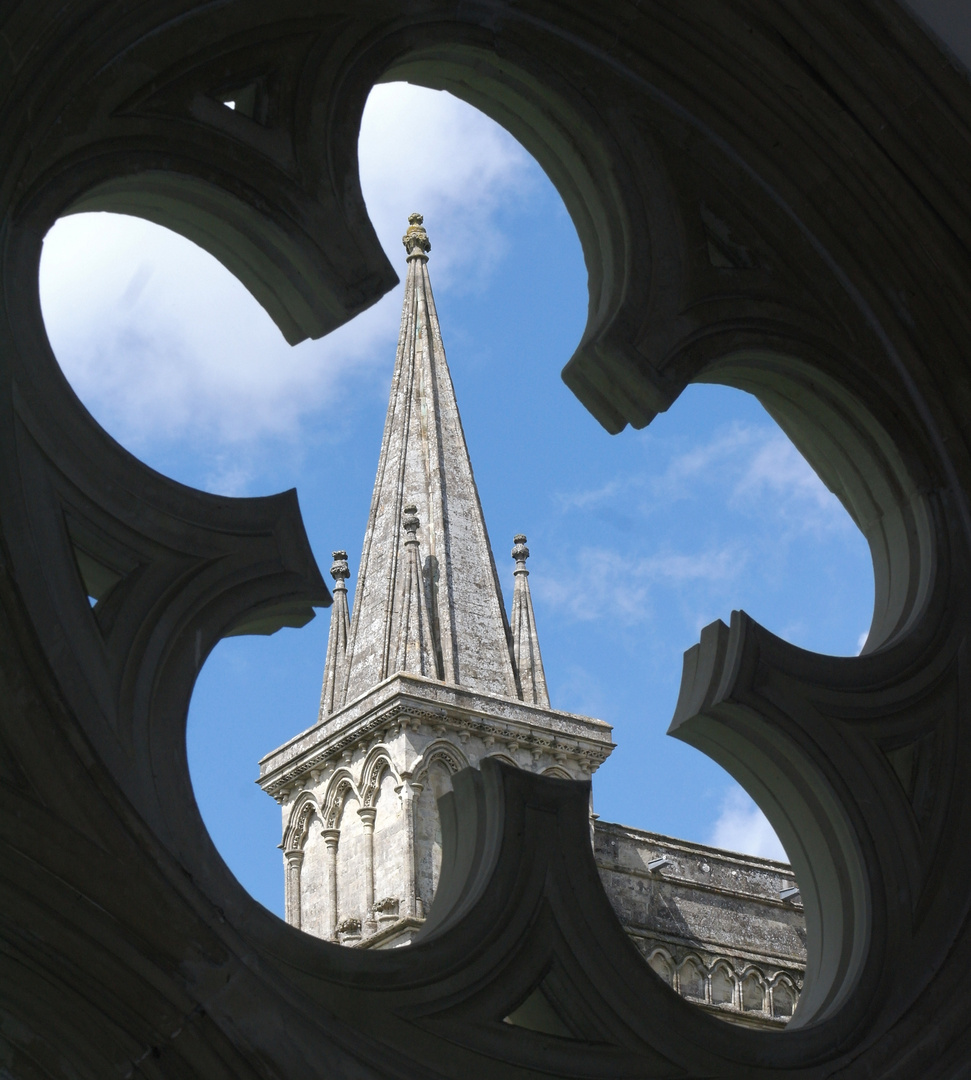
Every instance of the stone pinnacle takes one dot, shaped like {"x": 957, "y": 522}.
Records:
{"x": 416, "y": 241}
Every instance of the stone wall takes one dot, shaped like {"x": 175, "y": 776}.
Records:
{"x": 713, "y": 924}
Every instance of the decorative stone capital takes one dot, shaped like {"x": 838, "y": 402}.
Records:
{"x": 367, "y": 815}
{"x": 416, "y": 241}
{"x": 408, "y": 788}
{"x": 331, "y": 838}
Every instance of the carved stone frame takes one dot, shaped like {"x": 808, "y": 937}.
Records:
{"x": 768, "y": 195}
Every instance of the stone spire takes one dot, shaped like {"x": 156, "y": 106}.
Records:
{"x": 334, "y": 673}
{"x": 525, "y": 642}
{"x": 424, "y": 462}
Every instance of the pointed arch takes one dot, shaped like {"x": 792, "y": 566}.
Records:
{"x": 661, "y": 963}
{"x": 441, "y": 750}
{"x": 303, "y": 810}
{"x": 752, "y": 990}
{"x": 377, "y": 761}
{"x": 692, "y": 978}
{"x": 504, "y": 758}
{"x": 783, "y": 996}
{"x": 557, "y": 772}
{"x": 722, "y": 984}
{"x": 341, "y": 783}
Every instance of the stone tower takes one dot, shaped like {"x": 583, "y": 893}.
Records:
{"x": 428, "y": 676}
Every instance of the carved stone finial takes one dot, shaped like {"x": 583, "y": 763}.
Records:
{"x": 411, "y": 522}
{"x": 339, "y": 571}
{"x": 416, "y": 241}
{"x": 520, "y": 552}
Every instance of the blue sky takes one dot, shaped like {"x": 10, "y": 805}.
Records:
{"x": 637, "y": 540}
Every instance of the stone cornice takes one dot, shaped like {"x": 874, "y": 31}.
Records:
{"x": 404, "y": 698}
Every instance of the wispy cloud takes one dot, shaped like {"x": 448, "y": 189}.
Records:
{"x": 741, "y": 826}
{"x": 779, "y": 476}
{"x": 605, "y": 584}
{"x": 478, "y": 170}
{"x": 754, "y": 469}
{"x": 586, "y": 499}
{"x": 162, "y": 343}
{"x": 710, "y": 459}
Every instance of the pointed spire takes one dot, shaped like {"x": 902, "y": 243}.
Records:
{"x": 424, "y": 459}
{"x": 415, "y": 649}
{"x": 337, "y": 639}
{"x": 525, "y": 641}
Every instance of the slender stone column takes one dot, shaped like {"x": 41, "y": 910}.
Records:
{"x": 331, "y": 838}
{"x": 409, "y": 793}
{"x": 293, "y": 860}
{"x": 367, "y": 815}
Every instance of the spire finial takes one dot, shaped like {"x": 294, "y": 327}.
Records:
{"x": 416, "y": 241}
{"x": 339, "y": 571}
{"x": 411, "y": 522}
{"x": 520, "y": 553}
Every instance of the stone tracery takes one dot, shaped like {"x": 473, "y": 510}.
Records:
{"x": 805, "y": 140}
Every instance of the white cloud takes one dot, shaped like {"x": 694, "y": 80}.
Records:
{"x": 624, "y": 584}
{"x": 425, "y": 150}
{"x": 742, "y": 827}
{"x": 751, "y": 468}
{"x": 161, "y": 342}
{"x": 591, "y": 497}
{"x": 777, "y": 470}
{"x": 702, "y": 462}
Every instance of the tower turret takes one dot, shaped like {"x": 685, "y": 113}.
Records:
{"x": 423, "y": 682}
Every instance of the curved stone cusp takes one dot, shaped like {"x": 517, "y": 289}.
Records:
{"x": 851, "y": 762}
{"x": 765, "y": 738}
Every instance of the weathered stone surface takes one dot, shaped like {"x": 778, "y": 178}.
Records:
{"x": 719, "y": 916}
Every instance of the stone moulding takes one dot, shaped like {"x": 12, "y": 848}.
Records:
{"x": 404, "y": 699}
{"x": 769, "y": 195}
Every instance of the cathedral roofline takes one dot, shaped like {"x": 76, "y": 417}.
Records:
{"x": 412, "y": 699}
